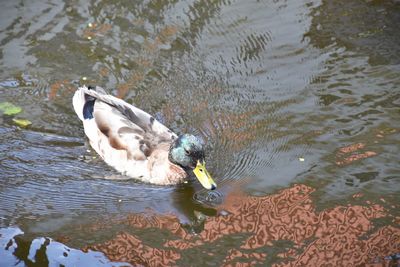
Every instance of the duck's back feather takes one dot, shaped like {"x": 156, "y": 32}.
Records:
{"x": 126, "y": 137}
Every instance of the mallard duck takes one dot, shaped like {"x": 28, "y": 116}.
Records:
{"x": 135, "y": 143}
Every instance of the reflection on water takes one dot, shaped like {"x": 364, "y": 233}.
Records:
{"x": 282, "y": 92}
{"x": 248, "y": 231}
{"x": 17, "y": 250}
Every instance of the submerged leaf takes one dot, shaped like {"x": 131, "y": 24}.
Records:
{"x": 9, "y": 108}
{"x": 22, "y": 122}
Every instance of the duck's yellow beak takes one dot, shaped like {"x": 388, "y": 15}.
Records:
{"x": 203, "y": 176}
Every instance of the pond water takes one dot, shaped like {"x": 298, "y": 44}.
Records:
{"x": 298, "y": 102}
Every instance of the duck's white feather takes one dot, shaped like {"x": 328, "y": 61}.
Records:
{"x": 127, "y": 138}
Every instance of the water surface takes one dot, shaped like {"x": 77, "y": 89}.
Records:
{"x": 288, "y": 95}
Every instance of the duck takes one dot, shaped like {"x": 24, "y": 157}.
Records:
{"x": 136, "y": 144}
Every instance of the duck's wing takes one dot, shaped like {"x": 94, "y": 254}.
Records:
{"x": 124, "y": 126}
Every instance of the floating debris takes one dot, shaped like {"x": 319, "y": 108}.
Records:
{"x": 301, "y": 159}
{"x": 22, "y": 122}
{"x": 9, "y": 108}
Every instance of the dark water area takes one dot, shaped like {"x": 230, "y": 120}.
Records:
{"x": 298, "y": 102}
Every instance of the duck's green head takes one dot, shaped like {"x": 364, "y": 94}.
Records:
{"x": 187, "y": 151}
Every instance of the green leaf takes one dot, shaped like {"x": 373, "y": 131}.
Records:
{"x": 9, "y": 108}
{"x": 22, "y": 122}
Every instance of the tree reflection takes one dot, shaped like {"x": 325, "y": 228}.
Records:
{"x": 248, "y": 227}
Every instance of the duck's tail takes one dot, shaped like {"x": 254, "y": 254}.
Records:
{"x": 79, "y": 101}
{"x": 83, "y": 103}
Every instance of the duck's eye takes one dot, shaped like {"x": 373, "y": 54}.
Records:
{"x": 187, "y": 152}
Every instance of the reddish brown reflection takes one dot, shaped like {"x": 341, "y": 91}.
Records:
{"x": 129, "y": 248}
{"x": 342, "y": 236}
{"x": 351, "y": 153}
{"x": 351, "y": 148}
{"x": 60, "y": 86}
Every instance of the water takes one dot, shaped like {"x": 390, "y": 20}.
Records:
{"x": 299, "y": 96}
